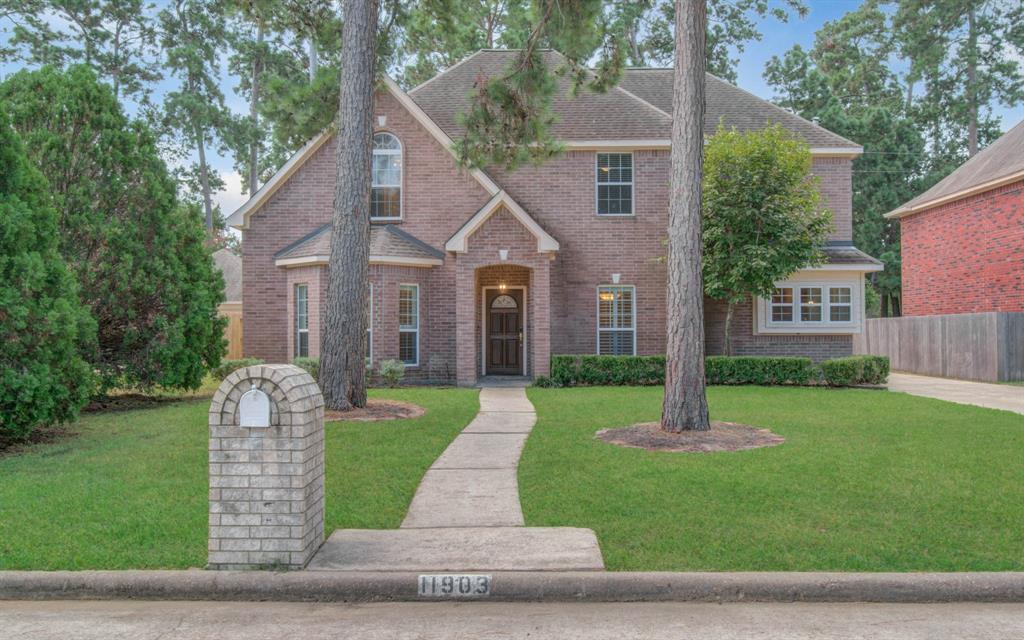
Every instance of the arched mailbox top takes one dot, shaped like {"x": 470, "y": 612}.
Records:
{"x": 254, "y": 408}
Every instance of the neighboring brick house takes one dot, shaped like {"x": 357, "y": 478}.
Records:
{"x": 490, "y": 272}
{"x": 963, "y": 239}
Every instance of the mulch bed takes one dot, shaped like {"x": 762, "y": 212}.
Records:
{"x": 723, "y": 436}
{"x": 378, "y": 409}
{"x": 40, "y": 435}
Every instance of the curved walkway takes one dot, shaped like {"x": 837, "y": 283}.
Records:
{"x": 466, "y": 513}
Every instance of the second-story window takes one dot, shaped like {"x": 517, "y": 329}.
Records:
{"x": 386, "y": 193}
{"x": 615, "y": 184}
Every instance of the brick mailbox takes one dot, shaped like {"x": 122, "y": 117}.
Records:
{"x": 266, "y": 469}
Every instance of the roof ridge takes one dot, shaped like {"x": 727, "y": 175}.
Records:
{"x": 444, "y": 71}
{"x": 408, "y": 237}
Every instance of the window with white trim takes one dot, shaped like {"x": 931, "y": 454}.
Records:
{"x": 616, "y": 320}
{"x": 409, "y": 324}
{"x": 386, "y": 190}
{"x": 301, "y": 321}
{"x": 615, "y": 184}
{"x": 811, "y": 305}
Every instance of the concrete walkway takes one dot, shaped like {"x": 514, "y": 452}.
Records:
{"x": 1007, "y": 397}
{"x": 466, "y": 513}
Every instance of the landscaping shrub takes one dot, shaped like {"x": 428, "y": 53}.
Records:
{"x": 391, "y": 372}
{"x": 311, "y": 365}
{"x": 584, "y": 370}
{"x": 45, "y": 330}
{"x": 227, "y": 367}
{"x": 854, "y": 370}
{"x": 759, "y": 370}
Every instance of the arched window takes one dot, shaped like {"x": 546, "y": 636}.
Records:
{"x": 386, "y": 194}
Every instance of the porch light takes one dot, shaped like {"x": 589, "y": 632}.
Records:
{"x": 616, "y": 277}
{"x": 502, "y": 287}
{"x": 503, "y": 254}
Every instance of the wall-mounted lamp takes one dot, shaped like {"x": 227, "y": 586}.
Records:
{"x": 382, "y": 121}
{"x": 616, "y": 277}
{"x": 502, "y": 287}
{"x": 503, "y": 254}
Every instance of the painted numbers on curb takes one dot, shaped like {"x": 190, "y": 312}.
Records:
{"x": 454, "y": 585}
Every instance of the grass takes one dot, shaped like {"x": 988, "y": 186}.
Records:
{"x": 866, "y": 481}
{"x": 130, "y": 489}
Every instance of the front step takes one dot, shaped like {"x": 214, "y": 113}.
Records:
{"x": 460, "y": 549}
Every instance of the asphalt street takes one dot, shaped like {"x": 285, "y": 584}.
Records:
{"x": 137, "y": 620}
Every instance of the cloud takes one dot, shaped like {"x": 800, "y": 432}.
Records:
{"x": 231, "y": 197}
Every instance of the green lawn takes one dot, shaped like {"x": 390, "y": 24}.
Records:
{"x": 866, "y": 481}
{"x": 130, "y": 490}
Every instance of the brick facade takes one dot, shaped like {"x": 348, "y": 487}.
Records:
{"x": 965, "y": 256}
{"x": 439, "y": 197}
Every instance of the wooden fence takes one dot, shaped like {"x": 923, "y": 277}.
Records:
{"x": 233, "y": 332}
{"x": 971, "y": 346}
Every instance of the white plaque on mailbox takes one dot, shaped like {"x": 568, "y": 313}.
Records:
{"x": 254, "y": 408}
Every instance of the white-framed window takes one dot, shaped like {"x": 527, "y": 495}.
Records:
{"x": 409, "y": 324}
{"x": 386, "y": 190}
{"x": 812, "y": 307}
{"x": 615, "y": 184}
{"x": 301, "y": 321}
{"x": 616, "y": 320}
{"x": 369, "y": 326}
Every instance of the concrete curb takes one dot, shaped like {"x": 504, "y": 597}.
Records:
{"x": 329, "y": 586}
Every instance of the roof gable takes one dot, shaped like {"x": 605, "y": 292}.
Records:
{"x": 241, "y": 216}
{"x": 459, "y": 242}
{"x": 999, "y": 163}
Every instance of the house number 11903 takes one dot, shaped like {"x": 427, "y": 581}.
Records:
{"x": 454, "y": 585}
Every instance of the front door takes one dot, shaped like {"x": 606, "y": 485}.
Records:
{"x": 504, "y": 332}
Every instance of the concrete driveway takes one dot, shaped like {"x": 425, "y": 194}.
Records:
{"x": 1007, "y": 397}
{"x": 71, "y": 620}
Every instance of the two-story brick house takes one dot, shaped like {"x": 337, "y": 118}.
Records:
{"x": 490, "y": 272}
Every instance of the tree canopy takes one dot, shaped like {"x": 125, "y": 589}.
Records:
{"x": 136, "y": 251}
{"x": 43, "y": 376}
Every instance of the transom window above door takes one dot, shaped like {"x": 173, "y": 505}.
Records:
{"x": 615, "y": 184}
{"x": 386, "y": 191}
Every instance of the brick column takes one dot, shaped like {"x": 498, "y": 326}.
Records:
{"x": 267, "y": 482}
{"x": 465, "y": 325}
{"x": 541, "y": 318}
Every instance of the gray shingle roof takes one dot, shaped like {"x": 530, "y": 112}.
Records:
{"x": 587, "y": 116}
{"x": 230, "y": 267}
{"x": 385, "y": 240}
{"x": 729, "y": 104}
{"x": 636, "y": 110}
{"x": 847, "y": 254}
{"x": 1002, "y": 158}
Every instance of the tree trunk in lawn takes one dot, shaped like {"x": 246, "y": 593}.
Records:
{"x": 727, "y": 347}
{"x": 342, "y": 352}
{"x": 204, "y": 179}
{"x": 686, "y": 406}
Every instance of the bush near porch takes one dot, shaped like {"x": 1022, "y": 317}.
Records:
{"x": 866, "y": 481}
{"x": 590, "y": 370}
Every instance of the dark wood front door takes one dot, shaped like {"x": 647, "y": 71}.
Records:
{"x": 505, "y": 332}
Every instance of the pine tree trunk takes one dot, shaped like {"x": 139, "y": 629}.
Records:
{"x": 972, "y": 87}
{"x": 727, "y": 347}
{"x": 314, "y": 58}
{"x": 685, "y": 406}
{"x": 343, "y": 343}
{"x": 204, "y": 180}
{"x": 254, "y": 113}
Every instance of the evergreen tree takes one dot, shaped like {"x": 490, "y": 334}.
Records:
{"x": 137, "y": 252}
{"x": 114, "y": 37}
{"x": 193, "y": 36}
{"x": 43, "y": 377}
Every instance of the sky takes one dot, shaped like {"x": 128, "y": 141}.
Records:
{"x": 777, "y": 39}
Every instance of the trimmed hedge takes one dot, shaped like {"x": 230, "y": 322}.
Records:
{"x": 589, "y": 370}
{"x": 854, "y": 370}
{"x": 227, "y": 367}
{"x": 759, "y": 370}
